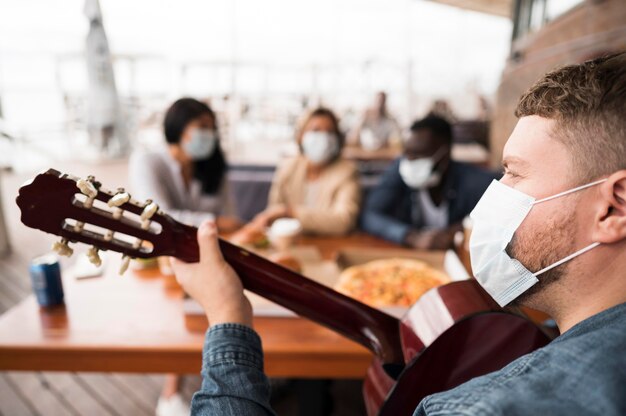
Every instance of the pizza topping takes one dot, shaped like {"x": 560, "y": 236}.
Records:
{"x": 393, "y": 282}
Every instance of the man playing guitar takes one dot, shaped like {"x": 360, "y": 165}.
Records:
{"x": 560, "y": 211}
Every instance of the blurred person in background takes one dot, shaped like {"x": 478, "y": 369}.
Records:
{"x": 424, "y": 195}
{"x": 484, "y": 109}
{"x": 441, "y": 108}
{"x": 187, "y": 178}
{"x": 317, "y": 187}
{"x": 378, "y": 129}
{"x": 322, "y": 191}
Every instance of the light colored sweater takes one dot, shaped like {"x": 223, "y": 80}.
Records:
{"x": 157, "y": 176}
{"x": 337, "y": 195}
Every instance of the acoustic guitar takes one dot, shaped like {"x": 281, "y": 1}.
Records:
{"x": 453, "y": 333}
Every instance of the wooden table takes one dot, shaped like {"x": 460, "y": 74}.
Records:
{"x": 135, "y": 323}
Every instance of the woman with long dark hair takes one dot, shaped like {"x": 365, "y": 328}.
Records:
{"x": 187, "y": 179}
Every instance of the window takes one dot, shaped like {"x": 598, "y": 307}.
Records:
{"x": 532, "y": 15}
{"x": 555, "y": 8}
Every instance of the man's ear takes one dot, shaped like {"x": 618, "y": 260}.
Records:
{"x": 611, "y": 221}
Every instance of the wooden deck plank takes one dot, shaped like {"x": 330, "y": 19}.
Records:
{"x": 156, "y": 379}
{"x": 190, "y": 385}
{"x": 16, "y": 271}
{"x": 67, "y": 386}
{"x": 9, "y": 283}
{"x": 138, "y": 386}
{"x": 11, "y": 400}
{"x": 16, "y": 265}
{"x": 106, "y": 389}
{"x": 40, "y": 395}
{"x": 12, "y": 290}
{"x": 6, "y": 302}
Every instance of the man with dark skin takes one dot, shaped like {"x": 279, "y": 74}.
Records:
{"x": 423, "y": 196}
{"x": 565, "y": 171}
{"x": 423, "y": 143}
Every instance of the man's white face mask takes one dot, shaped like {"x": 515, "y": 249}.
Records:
{"x": 420, "y": 173}
{"x": 497, "y": 216}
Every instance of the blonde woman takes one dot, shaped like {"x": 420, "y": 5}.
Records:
{"x": 317, "y": 187}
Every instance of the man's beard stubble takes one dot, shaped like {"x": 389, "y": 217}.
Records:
{"x": 546, "y": 246}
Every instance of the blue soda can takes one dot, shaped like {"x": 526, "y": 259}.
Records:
{"x": 45, "y": 276}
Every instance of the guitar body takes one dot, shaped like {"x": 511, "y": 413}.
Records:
{"x": 451, "y": 335}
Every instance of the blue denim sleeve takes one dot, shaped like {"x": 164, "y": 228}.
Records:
{"x": 233, "y": 381}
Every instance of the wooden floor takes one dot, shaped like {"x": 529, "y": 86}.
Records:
{"x": 54, "y": 393}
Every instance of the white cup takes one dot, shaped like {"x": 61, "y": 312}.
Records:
{"x": 283, "y": 232}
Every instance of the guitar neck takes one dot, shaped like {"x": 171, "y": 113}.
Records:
{"x": 50, "y": 200}
{"x": 370, "y": 327}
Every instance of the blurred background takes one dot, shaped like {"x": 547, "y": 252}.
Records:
{"x": 84, "y": 83}
{"x": 259, "y": 64}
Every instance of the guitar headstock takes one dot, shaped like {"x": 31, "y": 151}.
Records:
{"x": 81, "y": 210}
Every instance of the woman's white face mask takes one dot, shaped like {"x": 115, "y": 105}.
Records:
{"x": 319, "y": 146}
{"x": 201, "y": 145}
{"x": 496, "y": 218}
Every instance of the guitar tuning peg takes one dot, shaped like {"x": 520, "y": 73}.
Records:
{"x": 118, "y": 213}
{"x": 125, "y": 264}
{"x": 120, "y": 198}
{"x": 87, "y": 187}
{"x": 78, "y": 227}
{"x": 150, "y": 208}
{"x": 94, "y": 257}
{"x": 93, "y": 180}
{"x": 108, "y": 236}
{"x": 62, "y": 248}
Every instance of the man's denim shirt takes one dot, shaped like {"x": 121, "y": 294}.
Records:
{"x": 582, "y": 372}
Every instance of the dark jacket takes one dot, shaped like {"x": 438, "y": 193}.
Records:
{"x": 392, "y": 208}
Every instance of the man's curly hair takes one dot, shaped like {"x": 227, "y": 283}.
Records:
{"x": 588, "y": 103}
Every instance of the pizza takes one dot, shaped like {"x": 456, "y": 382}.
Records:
{"x": 389, "y": 282}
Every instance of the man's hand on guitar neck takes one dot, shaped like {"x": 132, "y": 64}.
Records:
{"x": 213, "y": 283}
